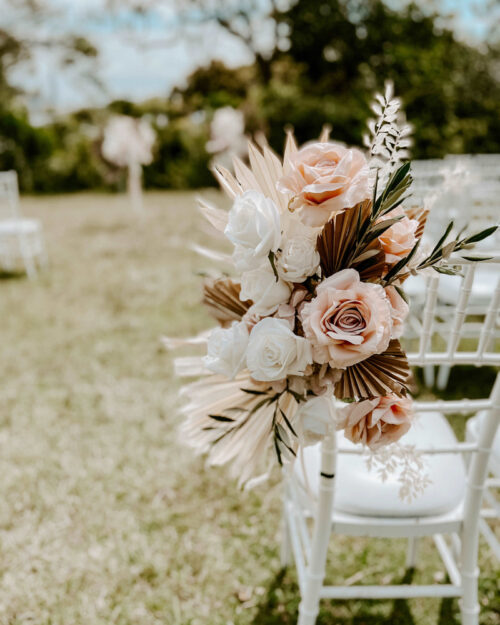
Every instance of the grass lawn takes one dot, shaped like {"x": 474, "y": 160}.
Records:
{"x": 105, "y": 517}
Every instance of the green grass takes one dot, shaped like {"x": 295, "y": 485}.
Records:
{"x": 105, "y": 517}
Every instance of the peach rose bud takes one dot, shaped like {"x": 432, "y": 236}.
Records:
{"x": 376, "y": 422}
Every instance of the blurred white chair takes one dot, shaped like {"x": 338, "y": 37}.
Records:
{"x": 20, "y": 238}
{"x": 492, "y": 513}
{"x": 332, "y": 487}
{"x": 465, "y": 189}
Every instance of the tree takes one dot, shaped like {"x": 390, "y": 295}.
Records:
{"x": 340, "y": 51}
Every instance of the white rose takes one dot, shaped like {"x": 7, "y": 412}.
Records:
{"x": 253, "y": 227}
{"x": 261, "y": 287}
{"x": 314, "y": 421}
{"x": 298, "y": 259}
{"x": 274, "y": 351}
{"x": 226, "y": 349}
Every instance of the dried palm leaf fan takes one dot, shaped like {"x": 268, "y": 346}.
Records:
{"x": 420, "y": 214}
{"x": 340, "y": 245}
{"x": 376, "y": 376}
{"x": 222, "y": 297}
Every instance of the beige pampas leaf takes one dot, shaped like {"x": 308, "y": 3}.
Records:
{"x": 376, "y": 376}
{"x": 325, "y": 133}
{"x": 227, "y": 181}
{"x": 215, "y": 216}
{"x": 290, "y": 150}
{"x": 173, "y": 342}
{"x": 190, "y": 367}
{"x": 206, "y": 252}
{"x": 244, "y": 175}
{"x": 263, "y": 173}
{"x": 233, "y": 422}
{"x": 222, "y": 297}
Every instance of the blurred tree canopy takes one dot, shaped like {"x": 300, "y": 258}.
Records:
{"x": 327, "y": 60}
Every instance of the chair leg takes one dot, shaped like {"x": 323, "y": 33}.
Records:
{"x": 27, "y": 256}
{"x": 315, "y": 574}
{"x": 469, "y": 604}
{"x": 309, "y": 606}
{"x": 411, "y": 553}
{"x": 443, "y": 377}
{"x": 429, "y": 376}
{"x": 286, "y": 545}
{"x": 43, "y": 256}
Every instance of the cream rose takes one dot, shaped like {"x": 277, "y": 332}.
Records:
{"x": 274, "y": 351}
{"x": 325, "y": 178}
{"x": 298, "y": 259}
{"x": 314, "y": 420}
{"x": 347, "y": 321}
{"x": 399, "y": 311}
{"x": 261, "y": 287}
{"x": 398, "y": 240}
{"x": 226, "y": 349}
{"x": 253, "y": 227}
{"x": 376, "y": 422}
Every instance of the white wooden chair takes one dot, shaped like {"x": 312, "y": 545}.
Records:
{"x": 333, "y": 487}
{"x": 490, "y": 514}
{"x": 473, "y": 201}
{"x": 20, "y": 238}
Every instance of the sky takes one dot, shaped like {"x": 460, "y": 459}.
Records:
{"x": 141, "y": 56}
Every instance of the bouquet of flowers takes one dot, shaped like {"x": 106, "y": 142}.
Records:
{"x": 321, "y": 247}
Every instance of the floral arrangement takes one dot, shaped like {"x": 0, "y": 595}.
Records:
{"x": 128, "y": 140}
{"x": 321, "y": 247}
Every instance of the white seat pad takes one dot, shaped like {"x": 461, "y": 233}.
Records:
{"x": 16, "y": 226}
{"x": 361, "y": 491}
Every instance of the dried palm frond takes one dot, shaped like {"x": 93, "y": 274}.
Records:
{"x": 325, "y": 133}
{"x": 264, "y": 172}
{"x": 341, "y": 245}
{"x": 216, "y": 217}
{"x": 235, "y": 422}
{"x": 211, "y": 254}
{"x": 222, "y": 297}
{"x": 227, "y": 181}
{"x": 174, "y": 342}
{"x": 376, "y": 376}
{"x": 290, "y": 150}
{"x": 338, "y": 239}
{"x": 420, "y": 214}
{"x": 267, "y": 169}
{"x": 371, "y": 264}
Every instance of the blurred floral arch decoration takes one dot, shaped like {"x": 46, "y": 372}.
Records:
{"x": 227, "y": 135}
{"x": 129, "y": 142}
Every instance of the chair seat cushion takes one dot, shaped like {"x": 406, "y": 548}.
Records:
{"x": 361, "y": 491}
{"x": 19, "y": 226}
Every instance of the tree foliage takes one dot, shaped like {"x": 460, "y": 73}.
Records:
{"x": 328, "y": 59}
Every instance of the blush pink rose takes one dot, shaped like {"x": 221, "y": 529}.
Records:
{"x": 399, "y": 311}
{"x": 398, "y": 240}
{"x": 376, "y": 422}
{"x": 325, "y": 178}
{"x": 347, "y": 321}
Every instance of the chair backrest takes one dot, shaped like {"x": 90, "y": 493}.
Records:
{"x": 458, "y": 323}
{"x": 9, "y": 195}
{"x": 462, "y": 188}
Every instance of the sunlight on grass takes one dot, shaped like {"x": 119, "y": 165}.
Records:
{"x": 105, "y": 517}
